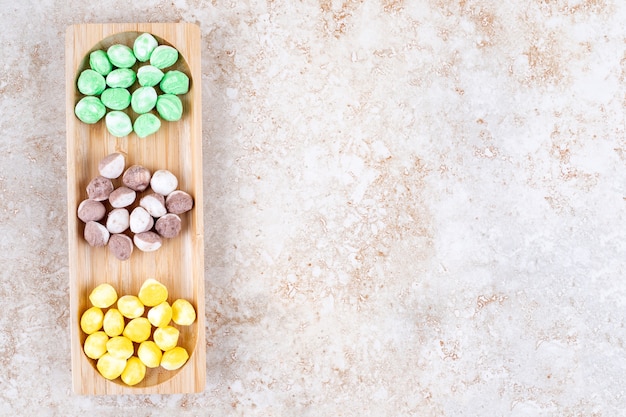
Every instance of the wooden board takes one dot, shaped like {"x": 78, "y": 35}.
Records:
{"x": 179, "y": 263}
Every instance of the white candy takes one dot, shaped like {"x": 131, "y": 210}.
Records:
{"x": 140, "y": 220}
{"x": 147, "y": 241}
{"x": 122, "y": 197}
{"x": 112, "y": 165}
{"x": 118, "y": 220}
{"x": 163, "y": 182}
{"x": 154, "y": 204}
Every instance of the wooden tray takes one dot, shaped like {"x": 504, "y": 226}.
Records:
{"x": 179, "y": 263}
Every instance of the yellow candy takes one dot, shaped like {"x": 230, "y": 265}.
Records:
{"x": 160, "y": 315}
{"x": 152, "y": 292}
{"x": 166, "y": 337}
{"x": 110, "y": 367}
{"x": 91, "y": 320}
{"x": 183, "y": 312}
{"x": 130, "y": 306}
{"x": 138, "y": 329}
{"x": 174, "y": 358}
{"x": 134, "y": 372}
{"x": 113, "y": 322}
{"x": 149, "y": 354}
{"x": 103, "y": 296}
{"x": 120, "y": 347}
{"x": 96, "y": 345}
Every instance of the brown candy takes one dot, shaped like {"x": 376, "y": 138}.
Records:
{"x": 178, "y": 202}
{"x": 136, "y": 178}
{"x": 91, "y": 210}
{"x": 121, "y": 246}
{"x": 96, "y": 234}
{"x": 168, "y": 226}
{"x": 99, "y": 188}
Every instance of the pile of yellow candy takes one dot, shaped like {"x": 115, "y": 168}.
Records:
{"x": 112, "y": 335}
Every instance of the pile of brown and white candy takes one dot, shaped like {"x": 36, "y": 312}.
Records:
{"x": 154, "y": 218}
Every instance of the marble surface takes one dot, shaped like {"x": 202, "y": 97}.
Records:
{"x": 413, "y": 208}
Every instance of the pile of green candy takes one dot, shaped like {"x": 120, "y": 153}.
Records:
{"x": 105, "y": 86}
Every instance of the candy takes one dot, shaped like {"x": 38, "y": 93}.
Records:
{"x": 90, "y": 210}
{"x": 121, "y": 78}
{"x": 163, "y": 182}
{"x": 166, "y": 337}
{"x": 118, "y": 123}
{"x": 89, "y": 110}
{"x": 140, "y": 220}
{"x": 99, "y": 62}
{"x": 149, "y": 354}
{"x": 103, "y": 296}
{"x": 152, "y": 292}
{"x": 99, "y": 188}
{"x": 96, "y": 345}
{"x": 154, "y": 204}
{"x": 163, "y": 56}
{"x": 118, "y": 220}
{"x": 112, "y": 165}
{"x": 127, "y": 350}
{"x": 169, "y": 107}
{"x": 143, "y": 99}
{"x": 138, "y": 329}
{"x": 91, "y": 320}
{"x": 121, "y": 56}
{"x": 147, "y": 241}
{"x": 120, "y": 347}
{"x": 146, "y": 124}
{"x": 122, "y": 197}
{"x": 110, "y": 367}
{"x": 136, "y": 178}
{"x": 96, "y": 234}
{"x": 115, "y": 98}
{"x": 91, "y": 83}
{"x": 160, "y": 315}
{"x": 121, "y": 246}
{"x": 134, "y": 372}
{"x": 143, "y": 46}
{"x": 178, "y": 202}
{"x": 130, "y": 306}
{"x": 149, "y": 76}
{"x": 183, "y": 312}
{"x": 111, "y": 76}
{"x": 113, "y": 323}
{"x": 175, "y": 82}
{"x": 174, "y": 358}
{"x": 168, "y": 226}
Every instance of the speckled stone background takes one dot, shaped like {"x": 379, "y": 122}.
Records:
{"x": 413, "y": 208}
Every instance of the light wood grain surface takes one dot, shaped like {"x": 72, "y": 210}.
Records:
{"x": 179, "y": 263}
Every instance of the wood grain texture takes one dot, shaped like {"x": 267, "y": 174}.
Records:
{"x": 179, "y": 263}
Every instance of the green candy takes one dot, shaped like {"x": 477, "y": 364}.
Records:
{"x": 146, "y": 124}
{"x": 89, "y": 109}
{"x": 90, "y": 83}
{"x": 149, "y": 76}
{"x": 175, "y": 82}
{"x": 143, "y": 99}
{"x": 118, "y": 123}
{"x": 170, "y": 107}
{"x": 99, "y": 62}
{"x": 121, "y": 56}
{"x": 143, "y": 46}
{"x": 163, "y": 56}
{"x": 115, "y": 98}
{"x": 121, "y": 78}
